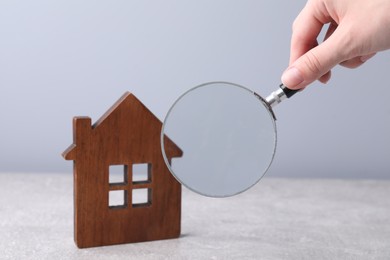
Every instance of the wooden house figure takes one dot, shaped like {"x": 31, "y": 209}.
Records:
{"x": 148, "y": 205}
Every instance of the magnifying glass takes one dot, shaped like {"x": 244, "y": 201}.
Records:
{"x": 227, "y": 134}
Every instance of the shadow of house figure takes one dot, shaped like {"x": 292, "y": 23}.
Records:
{"x": 127, "y": 134}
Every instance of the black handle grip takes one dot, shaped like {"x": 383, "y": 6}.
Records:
{"x": 289, "y": 92}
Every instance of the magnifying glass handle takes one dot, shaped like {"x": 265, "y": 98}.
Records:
{"x": 279, "y": 95}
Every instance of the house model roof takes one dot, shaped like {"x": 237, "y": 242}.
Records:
{"x": 120, "y": 118}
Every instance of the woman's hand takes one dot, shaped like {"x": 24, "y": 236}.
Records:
{"x": 358, "y": 29}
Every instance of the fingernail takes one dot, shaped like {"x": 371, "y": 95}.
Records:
{"x": 292, "y": 77}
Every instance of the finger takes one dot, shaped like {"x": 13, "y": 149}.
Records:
{"x": 306, "y": 29}
{"x": 326, "y": 77}
{"x": 357, "y": 61}
{"x": 367, "y": 57}
{"x": 352, "y": 63}
{"x": 316, "y": 62}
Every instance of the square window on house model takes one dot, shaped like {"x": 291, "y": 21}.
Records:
{"x": 117, "y": 174}
{"x": 142, "y": 172}
{"x": 117, "y": 198}
{"x": 141, "y": 197}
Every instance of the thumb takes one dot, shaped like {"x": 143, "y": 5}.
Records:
{"x": 314, "y": 63}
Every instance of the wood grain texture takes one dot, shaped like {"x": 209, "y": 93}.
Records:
{"x": 128, "y": 133}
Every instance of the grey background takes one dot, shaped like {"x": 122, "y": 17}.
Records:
{"x": 59, "y": 59}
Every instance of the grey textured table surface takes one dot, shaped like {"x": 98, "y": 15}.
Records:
{"x": 277, "y": 219}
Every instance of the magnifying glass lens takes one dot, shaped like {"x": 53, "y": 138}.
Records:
{"x": 227, "y": 136}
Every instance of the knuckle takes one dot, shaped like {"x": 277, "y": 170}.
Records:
{"x": 312, "y": 63}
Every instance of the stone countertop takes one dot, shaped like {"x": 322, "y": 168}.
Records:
{"x": 276, "y": 219}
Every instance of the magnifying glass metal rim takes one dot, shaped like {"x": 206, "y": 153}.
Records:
{"x": 274, "y": 98}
